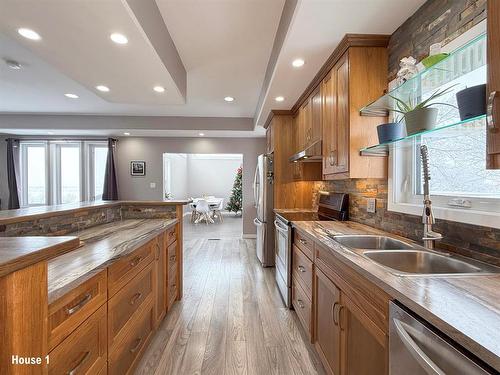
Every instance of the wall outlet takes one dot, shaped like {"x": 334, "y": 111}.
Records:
{"x": 371, "y": 205}
{"x": 152, "y": 185}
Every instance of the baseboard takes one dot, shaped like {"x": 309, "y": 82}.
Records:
{"x": 249, "y": 236}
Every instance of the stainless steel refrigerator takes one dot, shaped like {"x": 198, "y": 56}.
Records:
{"x": 263, "y": 195}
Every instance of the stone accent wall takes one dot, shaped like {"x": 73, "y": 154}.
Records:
{"x": 470, "y": 240}
{"x": 72, "y": 223}
{"x": 61, "y": 225}
{"x": 436, "y": 21}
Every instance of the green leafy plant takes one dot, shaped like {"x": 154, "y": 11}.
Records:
{"x": 235, "y": 201}
{"x": 403, "y": 107}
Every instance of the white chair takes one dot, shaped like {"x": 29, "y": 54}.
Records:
{"x": 217, "y": 211}
{"x": 203, "y": 211}
{"x": 194, "y": 213}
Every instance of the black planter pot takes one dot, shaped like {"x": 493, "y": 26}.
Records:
{"x": 472, "y": 102}
{"x": 390, "y": 132}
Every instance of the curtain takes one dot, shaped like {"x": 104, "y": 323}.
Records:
{"x": 12, "y": 151}
{"x": 110, "y": 190}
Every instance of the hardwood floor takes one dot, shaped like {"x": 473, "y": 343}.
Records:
{"x": 231, "y": 320}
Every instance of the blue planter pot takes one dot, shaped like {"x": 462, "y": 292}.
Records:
{"x": 390, "y": 132}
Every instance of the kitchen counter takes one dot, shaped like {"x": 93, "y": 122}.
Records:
{"x": 102, "y": 245}
{"x": 292, "y": 210}
{"x": 30, "y": 213}
{"x": 466, "y": 308}
{"x": 20, "y": 252}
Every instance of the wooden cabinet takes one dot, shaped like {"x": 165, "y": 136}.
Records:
{"x": 302, "y": 138}
{"x": 326, "y": 322}
{"x": 493, "y": 92}
{"x": 269, "y": 139}
{"x": 302, "y": 305}
{"x": 85, "y": 350}
{"x": 357, "y": 77}
{"x": 161, "y": 279}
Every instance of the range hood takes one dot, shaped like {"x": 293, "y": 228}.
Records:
{"x": 311, "y": 154}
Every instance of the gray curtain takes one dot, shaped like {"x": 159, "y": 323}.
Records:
{"x": 11, "y": 173}
{"x": 110, "y": 191}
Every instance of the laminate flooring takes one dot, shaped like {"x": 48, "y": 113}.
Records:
{"x": 231, "y": 319}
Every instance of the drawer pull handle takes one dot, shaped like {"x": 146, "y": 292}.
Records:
{"x": 79, "y": 364}
{"x": 303, "y": 242}
{"x": 172, "y": 258}
{"x": 490, "y": 113}
{"x": 79, "y": 305}
{"x": 135, "y": 298}
{"x": 334, "y": 313}
{"x": 339, "y": 318}
{"x": 301, "y": 268}
{"x": 134, "y": 262}
{"x": 301, "y": 303}
{"x": 136, "y": 346}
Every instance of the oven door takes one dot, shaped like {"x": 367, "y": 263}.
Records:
{"x": 283, "y": 258}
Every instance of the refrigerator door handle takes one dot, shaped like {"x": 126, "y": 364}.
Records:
{"x": 255, "y": 187}
{"x": 257, "y": 222}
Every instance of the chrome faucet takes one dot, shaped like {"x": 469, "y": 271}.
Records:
{"x": 428, "y": 217}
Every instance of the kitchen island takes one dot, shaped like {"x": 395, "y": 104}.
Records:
{"x": 84, "y": 286}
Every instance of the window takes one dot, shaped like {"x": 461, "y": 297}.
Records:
{"x": 461, "y": 187}
{"x": 59, "y": 172}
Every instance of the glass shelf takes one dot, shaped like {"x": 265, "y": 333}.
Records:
{"x": 382, "y": 149}
{"x": 460, "y": 62}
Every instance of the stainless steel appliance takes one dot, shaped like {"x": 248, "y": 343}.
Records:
{"x": 332, "y": 206}
{"x": 417, "y": 348}
{"x": 263, "y": 195}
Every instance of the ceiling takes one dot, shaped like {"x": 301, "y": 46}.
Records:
{"x": 200, "y": 51}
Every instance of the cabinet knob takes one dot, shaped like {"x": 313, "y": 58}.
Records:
{"x": 332, "y": 154}
{"x": 301, "y": 268}
{"x": 301, "y": 303}
{"x": 302, "y": 241}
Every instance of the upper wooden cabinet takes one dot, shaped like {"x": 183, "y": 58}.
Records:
{"x": 493, "y": 145}
{"x": 357, "y": 77}
{"x": 269, "y": 140}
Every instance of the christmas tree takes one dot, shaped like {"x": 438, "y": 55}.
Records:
{"x": 234, "y": 204}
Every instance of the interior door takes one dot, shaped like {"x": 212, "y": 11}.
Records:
{"x": 364, "y": 344}
{"x": 326, "y": 324}
{"x": 493, "y": 118}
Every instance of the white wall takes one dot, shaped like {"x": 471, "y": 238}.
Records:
{"x": 4, "y": 187}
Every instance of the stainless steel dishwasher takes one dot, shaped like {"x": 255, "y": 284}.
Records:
{"x": 417, "y": 349}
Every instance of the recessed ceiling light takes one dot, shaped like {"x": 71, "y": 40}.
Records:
{"x": 201, "y": 134}
{"x": 126, "y": 133}
{"x": 29, "y": 34}
{"x": 119, "y": 38}
{"x": 159, "y": 89}
{"x": 229, "y": 99}
{"x": 279, "y": 98}
{"x": 297, "y": 63}
{"x": 71, "y": 96}
{"x": 102, "y": 88}
{"x": 13, "y": 64}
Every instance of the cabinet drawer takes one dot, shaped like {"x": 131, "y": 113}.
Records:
{"x": 172, "y": 286}
{"x": 84, "y": 351}
{"x": 302, "y": 305}
{"x": 172, "y": 254}
{"x": 122, "y": 271}
{"x": 123, "y": 305}
{"x": 171, "y": 235}
{"x": 303, "y": 244}
{"x": 69, "y": 311}
{"x": 302, "y": 270}
{"x": 123, "y": 359}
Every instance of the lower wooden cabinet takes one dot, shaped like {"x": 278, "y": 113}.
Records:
{"x": 302, "y": 305}
{"x": 161, "y": 279}
{"x": 326, "y": 322}
{"x": 85, "y": 350}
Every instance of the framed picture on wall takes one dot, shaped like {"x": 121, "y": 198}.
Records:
{"x": 137, "y": 168}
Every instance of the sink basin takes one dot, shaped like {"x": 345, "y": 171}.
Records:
{"x": 370, "y": 242}
{"x": 427, "y": 262}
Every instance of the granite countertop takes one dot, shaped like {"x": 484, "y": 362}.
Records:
{"x": 21, "y": 252}
{"x": 292, "y": 210}
{"x": 23, "y": 214}
{"x": 102, "y": 245}
{"x": 466, "y": 308}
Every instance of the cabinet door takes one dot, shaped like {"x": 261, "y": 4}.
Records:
{"x": 313, "y": 132}
{"x": 326, "y": 327}
{"x": 328, "y": 91}
{"x": 341, "y": 118}
{"x": 304, "y": 125}
{"x": 161, "y": 280}
{"x": 493, "y": 145}
{"x": 270, "y": 139}
{"x": 364, "y": 345}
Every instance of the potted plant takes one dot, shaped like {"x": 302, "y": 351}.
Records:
{"x": 472, "y": 102}
{"x": 420, "y": 116}
{"x": 391, "y": 131}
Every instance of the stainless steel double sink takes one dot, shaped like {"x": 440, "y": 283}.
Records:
{"x": 405, "y": 258}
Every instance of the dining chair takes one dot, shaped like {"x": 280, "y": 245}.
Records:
{"x": 217, "y": 211}
{"x": 194, "y": 212}
{"x": 203, "y": 210}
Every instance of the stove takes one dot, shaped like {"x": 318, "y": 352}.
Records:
{"x": 332, "y": 206}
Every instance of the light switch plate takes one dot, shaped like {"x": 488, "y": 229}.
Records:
{"x": 152, "y": 185}
{"x": 371, "y": 205}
